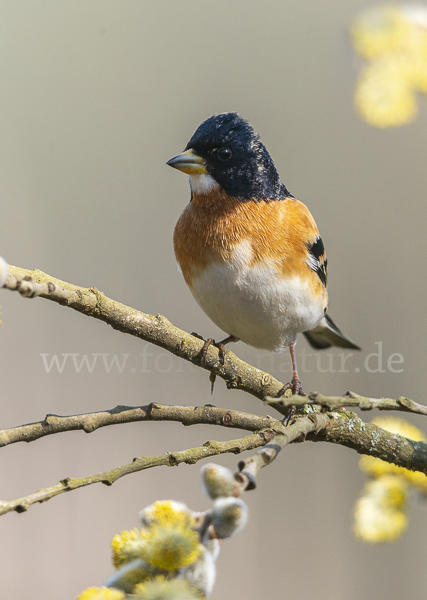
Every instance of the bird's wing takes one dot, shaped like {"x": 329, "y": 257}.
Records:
{"x": 327, "y": 334}
{"x": 317, "y": 260}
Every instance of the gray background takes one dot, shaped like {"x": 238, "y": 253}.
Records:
{"x": 95, "y": 98}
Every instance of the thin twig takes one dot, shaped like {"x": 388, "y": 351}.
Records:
{"x": 170, "y": 459}
{"x": 344, "y": 428}
{"x": 350, "y": 399}
{"x": 298, "y": 431}
{"x": 187, "y": 415}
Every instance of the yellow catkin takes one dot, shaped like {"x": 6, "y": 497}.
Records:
{"x": 394, "y": 40}
{"x": 378, "y": 30}
{"x": 127, "y": 546}
{"x": 384, "y": 98}
{"x": 167, "y": 512}
{"x": 161, "y": 588}
{"x": 171, "y": 547}
{"x": 380, "y": 513}
{"x": 101, "y": 593}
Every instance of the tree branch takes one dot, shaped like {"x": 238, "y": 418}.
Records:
{"x": 347, "y": 429}
{"x": 343, "y": 428}
{"x": 350, "y": 399}
{"x": 298, "y": 431}
{"x": 155, "y": 329}
{"x": 187, "y": 415}
{"x": 170, "y": 459}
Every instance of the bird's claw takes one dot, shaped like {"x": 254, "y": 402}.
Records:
{"x": 296, "y": 387}
{"x": 221, "y": 353}
{"x": 211, "y": 342}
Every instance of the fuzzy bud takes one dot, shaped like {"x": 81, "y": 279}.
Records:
{"x": 228, "y": 516}
{"x": 128, "y": 576}
{"x": 217, "y": 481}
{"x": 202, "y": 572}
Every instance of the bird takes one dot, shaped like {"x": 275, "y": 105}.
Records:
{"x": 249, "y": 251}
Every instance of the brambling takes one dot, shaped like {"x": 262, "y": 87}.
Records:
{"x": 251, "y": 253}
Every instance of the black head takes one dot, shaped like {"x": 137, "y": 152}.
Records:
{"x": 237, "y": 159}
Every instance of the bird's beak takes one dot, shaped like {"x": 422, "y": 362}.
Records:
{"x": 188, "y": 162}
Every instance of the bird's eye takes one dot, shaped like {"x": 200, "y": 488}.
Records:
{"x": 224, "y": 153}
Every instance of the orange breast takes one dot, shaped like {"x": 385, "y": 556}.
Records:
{"x": 214, "y": 225}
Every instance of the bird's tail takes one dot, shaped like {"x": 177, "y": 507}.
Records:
{"x": 327, "y": 334}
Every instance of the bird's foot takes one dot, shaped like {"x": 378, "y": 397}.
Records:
{"x": 211, "y": 342}
{"x": 294, "y": 385}
{"x": 296, "y": 388}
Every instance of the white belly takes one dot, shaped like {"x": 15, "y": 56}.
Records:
{"x": 256, "y": 304}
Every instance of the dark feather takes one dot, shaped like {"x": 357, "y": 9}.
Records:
{"x": 327, "y": 334}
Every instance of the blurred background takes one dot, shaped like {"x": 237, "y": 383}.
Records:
{"x": 95, "y": 98}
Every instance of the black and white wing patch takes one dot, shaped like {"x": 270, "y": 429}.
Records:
{"x": 317, "y": 260}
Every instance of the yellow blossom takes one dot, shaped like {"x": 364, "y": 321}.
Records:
{"x": 101, "y": 593}
{"x": 380, "y": 512}
{"x": 378, "y": 30}
{"x": 166, "y": 513}
{"x": 161, "y": 588}
{"x": 377, "y": 467}
{"x": 384, "y": 98}
{"x": 171, "y": 547}
{"x": 169, "y": 542}
{"x": 127, "y": 546}
{"x": 416, "y": 70}
{"x": 394, "y": 38}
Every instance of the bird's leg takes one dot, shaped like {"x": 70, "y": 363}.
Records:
{"x": 220, "y": 345}
{"x": 295, "y": 384}
{"x": 204, "y": 350}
